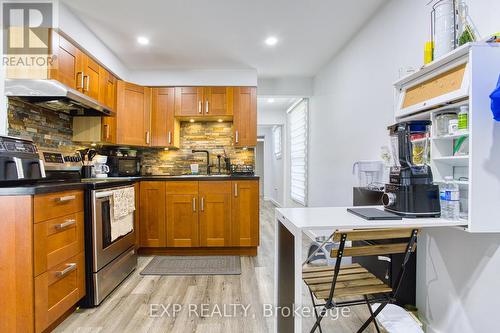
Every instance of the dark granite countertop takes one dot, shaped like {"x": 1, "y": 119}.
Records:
{"x": 96, "y": 183}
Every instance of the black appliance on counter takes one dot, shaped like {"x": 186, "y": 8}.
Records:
{"x": 387, "y": 267}
{"x": 411, "y": 192}
{"x": 19, "y": 161}
{"x": 123, "y": 166}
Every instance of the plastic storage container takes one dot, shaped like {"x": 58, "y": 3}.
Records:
{"x": 443, "y": 122}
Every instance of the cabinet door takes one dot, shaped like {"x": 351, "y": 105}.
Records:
{"x": 189, "y": 101}
{"x": 215, "y": 213}
{"x": 245, "y": 213}
{"x": 133, "y": 114}
{"x": 91, "y": 78}
{"x": 164, "y": 127}
{"x": 107, "y": 96}
{"x": 218, "y": 101}
{"x": 69, "y": 64}
{"x": 152, "y": 214}
{"x": 182, "y": 214}
{"x": 245, "y": 116}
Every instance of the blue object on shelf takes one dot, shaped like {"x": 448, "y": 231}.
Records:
{"x": 495, "y": 101}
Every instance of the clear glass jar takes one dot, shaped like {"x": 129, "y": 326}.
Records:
{"x": 443, "y": 121}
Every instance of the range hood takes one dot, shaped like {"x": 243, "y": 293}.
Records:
{"x": 54, "y": 95}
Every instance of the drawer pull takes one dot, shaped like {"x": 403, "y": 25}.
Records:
{"x": 69, "y": 268}
{"x": 66, "y": 224}
{"x": 66, "y": 198}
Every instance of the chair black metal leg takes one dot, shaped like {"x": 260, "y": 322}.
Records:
{"x": 371, "y": 313}
{"x": 315, "y": 310}
{"x": 372, "y": 317}
{"x": 318, "y": 321}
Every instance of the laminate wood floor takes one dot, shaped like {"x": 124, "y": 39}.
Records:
{"x": 139, "y": 303}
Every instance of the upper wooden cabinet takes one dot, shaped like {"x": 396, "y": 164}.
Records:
{"x": 211, "y": 103}
{"x": 245, "y": 116}
{"x": 68, "y": 65}
{"x": 152, "y": 214}
{"x": 215, "y": 213}
{"x": 133, "y": 114}
{"x": 245, "y": 213}
{"x": 90, "y": 77}
{"x": 165, "y": 128}
{"x": 188, "y": 101}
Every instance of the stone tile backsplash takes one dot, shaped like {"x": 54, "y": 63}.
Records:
{"x": 53, "y": 130}
{"x": 212, "y": 136}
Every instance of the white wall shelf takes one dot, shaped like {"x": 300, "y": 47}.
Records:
{"x": 480, "y": 191}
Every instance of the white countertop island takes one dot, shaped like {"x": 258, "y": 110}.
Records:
{"x": 292, "y": 223}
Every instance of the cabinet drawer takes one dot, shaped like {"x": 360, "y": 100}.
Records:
{"x": 49, "y": 206}
{"x": 57, "y": 240}
{"x": 57, "y": 290}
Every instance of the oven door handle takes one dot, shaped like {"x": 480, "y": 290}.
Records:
{"x": 104, "y": 194}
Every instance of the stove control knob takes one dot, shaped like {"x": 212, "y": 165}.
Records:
{"x": 389, "y": 199}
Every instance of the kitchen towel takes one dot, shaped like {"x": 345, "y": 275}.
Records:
{"x": 122, "y": 217}
{"x": 123, "y": 202}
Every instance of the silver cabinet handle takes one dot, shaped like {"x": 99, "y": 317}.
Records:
{"x": 81, "y": 81}
{"x": 206, "y": 107}
{"x": 199, "y": 106}
{"x": 147, "y": 137}
{"x": 66, "y": 198}
{"x": 88, "y": 83}
{"x": 19, "y": 167}
{"x": 202, "y": 204}
{"x": 169, "y": 137}
{"x": 236, "y": 189}
{"x": 194, "y": 204}
{"x": 69, "y": 268}
{"x": 85, "y": 83}
{"x": 65, "y": 224}
{"x": 106, "y": 131}
{"x": 237, "y": 136}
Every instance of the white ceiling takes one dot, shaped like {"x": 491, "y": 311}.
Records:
{"x": 226, "y": 34}
{"x": 278, "y": 104}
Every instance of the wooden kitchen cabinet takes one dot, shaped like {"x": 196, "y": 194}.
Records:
{"x": 165, "y": 129}
{"x": 215, "y": 213}
{"x": 68, "y": 66}
{"x": 182, "y": 214}
{"x": 133, "y": 114}
{"x": 90, "y": 77}
{"x": 42, "y": 259}
{"x": 218, "y": 101}
{"x": 107, "y": 88}
{"x": 152, "y": 214}
{"x": 245, "y": 213}
{"x": 188, "y": 101}
{"x": 245, "y": 117}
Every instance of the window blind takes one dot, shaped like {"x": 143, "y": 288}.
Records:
{"x": 298, "y": 129}
{"x": 277, "y": 141}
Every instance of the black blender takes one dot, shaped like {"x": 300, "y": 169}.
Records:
{"x": 411, "y": 192}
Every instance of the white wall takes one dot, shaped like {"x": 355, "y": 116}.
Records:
{"x": 273, "y": 167}
{"x": 286, "y": 86}
{"x": 458, "y": 281}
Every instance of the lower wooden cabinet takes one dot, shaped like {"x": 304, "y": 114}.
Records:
{"x": 152, "y": 212}
{"x": 42, "y": 260}
{"x": 192, "y": 214}
{"x": 182, "y": 214}
{"x": 215, "y": 214}
{"x": 57, "y": 290}
{"x": 245, "y": 213}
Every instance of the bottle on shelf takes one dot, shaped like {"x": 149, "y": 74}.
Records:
{"x": 463, "y": 118}
{"x": 450, "y": 199}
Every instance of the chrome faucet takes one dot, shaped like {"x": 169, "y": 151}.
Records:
{"x": 208, "y": 158}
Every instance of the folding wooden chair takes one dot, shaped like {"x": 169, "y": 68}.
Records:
{"x": 332, "y": 283}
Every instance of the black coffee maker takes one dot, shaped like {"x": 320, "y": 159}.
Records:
{"x": 411, "y": 192}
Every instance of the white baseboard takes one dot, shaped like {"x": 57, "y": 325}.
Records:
{"x": 275, "y": 202}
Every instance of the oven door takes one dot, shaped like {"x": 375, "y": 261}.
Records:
{"x": 104, "y": 250}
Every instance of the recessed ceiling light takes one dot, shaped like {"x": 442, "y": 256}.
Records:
{"x": 142, "y": 40}
{"x": 270, "y": 100}
{"x": 271, "y": 41}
